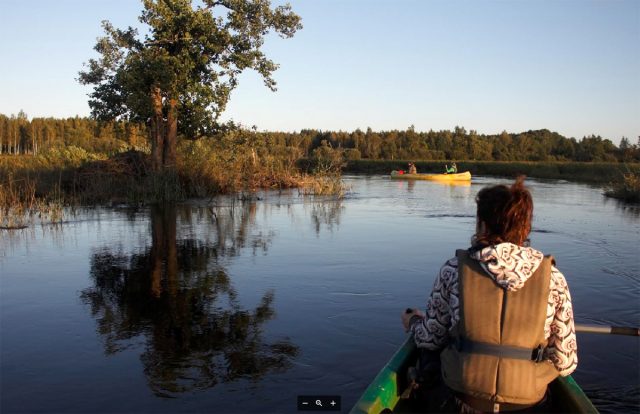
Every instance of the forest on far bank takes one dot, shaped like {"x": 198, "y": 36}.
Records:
{"x": 19, "y": 135}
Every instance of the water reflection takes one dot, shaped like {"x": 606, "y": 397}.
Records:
{"x": 454, "y": 183}
{"x": 410, "y": 184}
{"x": 178, "y": 297}
{"x": 12, "y": 239}
{"x": 326, "y": 213}
{"x": 629, "y": 209}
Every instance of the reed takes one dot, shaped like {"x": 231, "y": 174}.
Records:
{"x": 20, "y": 206}
{"x": 324, "y": 185}
{"x": 327, "y": 164}
{"x": 236, "y": 163}
{"x": 16, "y": 202}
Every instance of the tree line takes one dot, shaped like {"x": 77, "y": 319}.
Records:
{"x": 19, "y": 135}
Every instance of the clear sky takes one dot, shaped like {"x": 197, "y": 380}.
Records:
{"x": 569, "y": 66}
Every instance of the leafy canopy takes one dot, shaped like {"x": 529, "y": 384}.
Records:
{"x": 193, "y": 55}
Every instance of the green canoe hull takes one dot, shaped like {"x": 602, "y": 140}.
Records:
{"x": 387, "y": 387}
{"x": 463, "y": 176}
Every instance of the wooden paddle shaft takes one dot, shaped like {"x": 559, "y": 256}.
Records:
{"x": 614, "y": 330}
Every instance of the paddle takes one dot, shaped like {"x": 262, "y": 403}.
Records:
{"x": 613, "y": 330}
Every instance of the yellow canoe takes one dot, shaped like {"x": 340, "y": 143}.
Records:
{"x": 463, "y": 176}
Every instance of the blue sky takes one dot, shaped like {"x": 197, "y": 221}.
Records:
{"x": 569, "y": 66}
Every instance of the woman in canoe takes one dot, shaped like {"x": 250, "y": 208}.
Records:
{"x": 500, "y": 313}
{"x": 412, "y": 168}
{"x": 450, "y": 170}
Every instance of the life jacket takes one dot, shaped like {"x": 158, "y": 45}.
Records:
{"x": 495, "y": 353}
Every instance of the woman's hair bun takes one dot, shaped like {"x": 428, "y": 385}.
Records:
{"x": 507, "y": 213}
{"x": 518, "y": 190}
{"x": 518, "y": 185}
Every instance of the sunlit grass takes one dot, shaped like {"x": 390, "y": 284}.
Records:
{"x": 235, "y": 163}
{"x": 324, "y": 185}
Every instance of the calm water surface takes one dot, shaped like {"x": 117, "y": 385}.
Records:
{"x": 229, "y": 306}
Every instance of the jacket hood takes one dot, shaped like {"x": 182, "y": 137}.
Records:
{"x": 508, "y": 264}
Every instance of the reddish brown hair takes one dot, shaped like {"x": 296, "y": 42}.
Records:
{"x": 506, "y": 212}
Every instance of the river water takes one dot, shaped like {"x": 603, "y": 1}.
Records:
{"x": 235, "y": 306}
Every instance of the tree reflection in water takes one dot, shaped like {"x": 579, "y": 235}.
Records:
{"x": 179, "y": 298}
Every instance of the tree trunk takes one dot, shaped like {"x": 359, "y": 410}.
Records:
{"x": 171, "y": 138}
{"x": 163, "y": 134}
{"x": 157, "y": 130}
{"x": 34, "y": 141}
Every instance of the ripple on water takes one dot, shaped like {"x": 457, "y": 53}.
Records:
{"x": 609, "y": 400}
{"x": 357, "y": 293}
{"x": 543, "y": 231}
{"x": 632, "y": 276}
{"x": 450, "y": 215}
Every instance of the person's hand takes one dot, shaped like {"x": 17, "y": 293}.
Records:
{"x": 409, "y": 314}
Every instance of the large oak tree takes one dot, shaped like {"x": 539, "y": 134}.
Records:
{"x": 178, "y": 77}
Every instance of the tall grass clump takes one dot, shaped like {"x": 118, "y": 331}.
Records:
{"x": 326, "y": 178}
{"x": 20, "y": 206}
{"x": 626, "y": 190}
{"x": 324, "y": 185}
{"x": 241, "y": 160}
{"x": 123, "y": 178}
{"x": 237, "y": 161}
{"x": 89, "y": 178}
{"x": 17, "y": 200}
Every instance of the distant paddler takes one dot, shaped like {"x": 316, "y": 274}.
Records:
{"x": 412, "y": 168}
{"x": 450, "y": 170}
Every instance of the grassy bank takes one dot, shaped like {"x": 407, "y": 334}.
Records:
{"x": 597, "y": 173}
{"x": 237, "y": 162}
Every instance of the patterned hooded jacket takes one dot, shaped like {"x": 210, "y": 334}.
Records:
{"x": 510, "y": 266}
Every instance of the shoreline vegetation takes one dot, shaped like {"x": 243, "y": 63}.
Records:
{"x": 38, "y": 178}
{"x": 37, "y": 187}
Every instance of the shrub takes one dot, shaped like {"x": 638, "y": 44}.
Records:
{"x": 628, "y": 190}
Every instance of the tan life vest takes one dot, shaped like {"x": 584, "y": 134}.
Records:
{"x": 492, "y": 354}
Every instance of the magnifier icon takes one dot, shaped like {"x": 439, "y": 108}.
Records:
{"x": 319, "y": 403}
